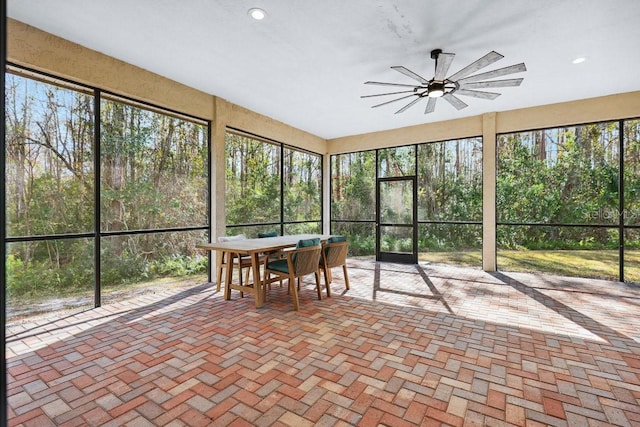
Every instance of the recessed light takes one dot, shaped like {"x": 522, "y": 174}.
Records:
{"x": 257, "y": 13}
{"x": 579, "y": 60}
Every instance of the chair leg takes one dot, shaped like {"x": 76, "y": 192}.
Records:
{"x": 346, "y": 276}
{"x": 326, "y": 284}
{"x": 239, "y": 273}
{"x": 294, "y": 292}
{"x": 326, "y": 276}
{"x": 267, "y": 279}
{"x": 240, "y": 276}
{"x": 317, "y": 276}
{"x": 266, "y": 276}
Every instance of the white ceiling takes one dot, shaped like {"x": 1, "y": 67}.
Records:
{"x": 306, "y": 63}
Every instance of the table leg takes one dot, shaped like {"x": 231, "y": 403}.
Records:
{"x": 229, "y": 274}
{"x": 257, "y": 280}
{"x": 219, "y": 260}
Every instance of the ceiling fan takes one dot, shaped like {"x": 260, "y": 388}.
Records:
{"x": 460, "y": 83}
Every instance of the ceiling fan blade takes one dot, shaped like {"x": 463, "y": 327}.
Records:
{"x": 407, "y": 72}
{"x": 383, "y": 94}
{"x": 478, "y": 94}
{"x": 518, "y": 68}
{"x": 442, "y": 65}
{"x": 393, "y": 100}
{"x": 486, "y": 60}
{"x": 455, "y": 101}
{"x": 409, "y": 105}
{"x": 493, "y": 83}
{"x": 388, "y": 84}
{"x": 431, "y": 105}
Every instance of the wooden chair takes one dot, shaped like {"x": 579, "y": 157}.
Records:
{"x": 227, "y": 261}
{"x": 274, "y": 254}
{"x": 297, "y": 263}
{"x": 334, "y": 254}
{"x": 271, "y": 256}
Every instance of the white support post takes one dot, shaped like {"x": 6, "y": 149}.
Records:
{"x": 489, "y": 192}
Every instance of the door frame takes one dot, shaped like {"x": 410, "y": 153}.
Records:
{"x": 402, "y": 258}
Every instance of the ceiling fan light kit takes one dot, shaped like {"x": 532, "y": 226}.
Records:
{"x": 435, "y": 89}
{"x": 464, "y": 82}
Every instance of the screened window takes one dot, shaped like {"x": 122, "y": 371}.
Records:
{"x": 353, "y": 190}
{"x": 353, "y": 200}
{"x": 449, "y": 194}
{"x": 153, "y": 169}
{"x": 49, "y": 158}
{"x": 397, "y": 161}
{"x": 450, "y": 180}
{"x": 252, "y": 191}
{"x": 559, "y": 176}
{"x": 302, "y": 192}
{"x": 152, "y": 198}
{"x": 631, "y": 211}
{"x": 559, "y": 204}
{"x": 271, "y": 187}
{"x": 450, "y": 201}
{"x": 44, "y": 276}
{"x": 632, "y": 176}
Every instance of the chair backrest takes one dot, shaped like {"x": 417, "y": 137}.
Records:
{"x": 305, "y": 260}
{"x": 335, "y": 254}
{"x": 304, "y": 243}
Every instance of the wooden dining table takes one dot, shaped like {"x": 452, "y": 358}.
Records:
{"x": 254, "y": 248}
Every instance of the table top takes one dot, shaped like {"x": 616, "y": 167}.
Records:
{"x": 265, "y": 244}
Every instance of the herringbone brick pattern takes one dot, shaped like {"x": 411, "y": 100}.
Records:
{"x": 406, "y": 346}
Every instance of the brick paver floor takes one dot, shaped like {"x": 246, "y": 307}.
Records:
{"x": 408, "y": 345}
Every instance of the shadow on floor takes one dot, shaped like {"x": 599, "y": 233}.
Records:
{"x": 571, "y": 314}
{"x": 436, "y": 295}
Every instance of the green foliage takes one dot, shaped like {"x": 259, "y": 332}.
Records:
{"x": 124, "y": 269}
{"x": 179, "y": 265}
{"x": 252, "y": 180}
{"x": 556, "y": 176}
{"x": 153, "y": 175}
{"x": 450, "y": 181}
{"x": 449, "y": 189}
{"x": 253, "y": 183}
{"x": 361, "y": 237}
{"x": 390, "y": 243}
{"x": 396, "y": 162}
{"x": 449, "y": 237}
{"x": 49, "y": 268}
{"x": 353, "y": 180}
{"x": 560, "y": 176}
{"x": 303, "y": 228}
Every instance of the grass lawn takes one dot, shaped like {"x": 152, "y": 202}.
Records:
{"x": 601, "y": 264}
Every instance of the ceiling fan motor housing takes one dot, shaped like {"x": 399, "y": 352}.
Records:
{"x": 436, "y": 89}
